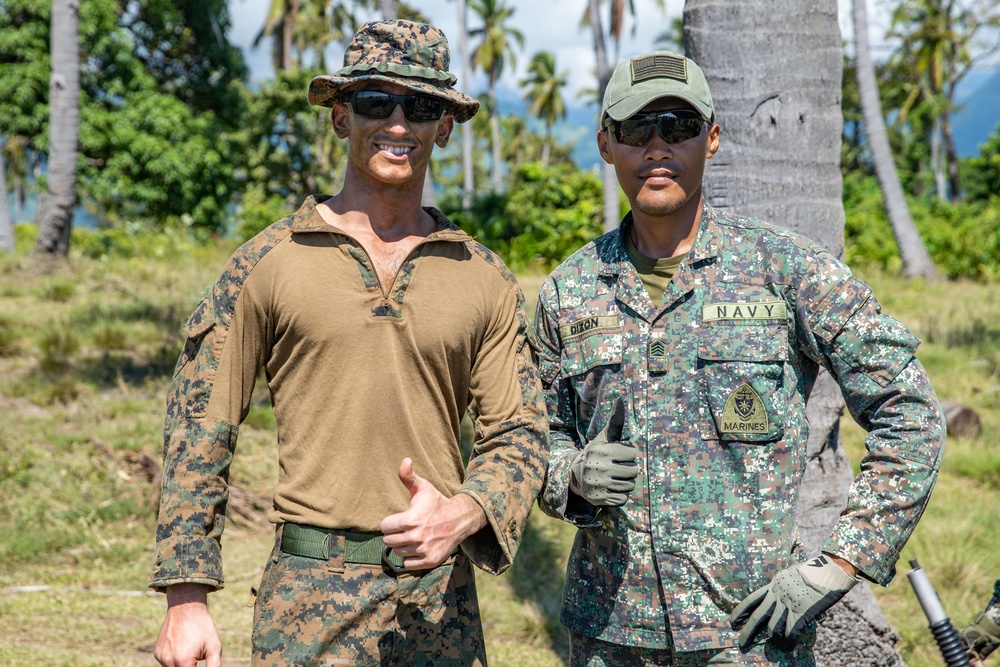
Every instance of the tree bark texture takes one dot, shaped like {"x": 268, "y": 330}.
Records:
{"x": 388, "y": 8}
{"x": 916, "y": 260}
{"x": 774, "y": 68}
{"x": 64, "y": 116}
{"x": 6, "y": 225}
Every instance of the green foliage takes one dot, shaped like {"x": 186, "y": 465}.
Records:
{"x": 981, "y": 174}
{"x": 133, "y": 239}
{"x": 962, "y": 238}
{"x": 546, "y": 215}
{"x": 179, "y": 43}
{"x": 259, "y": 211}
{"x": 159, "y": 92}
{"x": 289, "y": 152}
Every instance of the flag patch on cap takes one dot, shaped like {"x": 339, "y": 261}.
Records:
{"x": 657, "y": 66}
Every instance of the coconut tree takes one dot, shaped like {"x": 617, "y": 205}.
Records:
{"x": 6, "y": 226}
{"x": 603, "y": 71}
{"x": 776, "y": 87}
{"x": 544, "y": 95}
{"x": 64, "y": 121}
{"x": 939, "y": 42}
{"x": 491, "y": 55}
{"x": 468, "y": 175}
{"x": 916, "y": 260}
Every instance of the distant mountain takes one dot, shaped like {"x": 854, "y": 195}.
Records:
{"x": 978, "y": 116}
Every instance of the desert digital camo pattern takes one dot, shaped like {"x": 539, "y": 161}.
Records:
{"x": 414, "y": 55}
{"x": 711, "y": 517}
{"x": 504, "y": 472}
{"x": 325, "y": 612}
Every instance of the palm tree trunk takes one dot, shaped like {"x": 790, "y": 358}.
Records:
{"x": 64, "y": 115}
{"x": 547, "y": 147}
{"x": 779, "y": 161}
{"x": 6, "y": 227}
{"x": 497, "y": 177}
{"x": 916, "y": 260}
{"x": 951, "y": 155}
{"x": 611, "y": 202}
{"x": 938, "y": 166}
{"x": 468, "y": 177}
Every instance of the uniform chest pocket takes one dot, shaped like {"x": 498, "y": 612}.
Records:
{"x": 741, "y": 371}
{"x": 591, "y": 364}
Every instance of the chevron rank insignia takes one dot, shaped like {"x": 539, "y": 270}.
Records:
{"x": 744, "y": 412}
{"x": 657, "y": 349}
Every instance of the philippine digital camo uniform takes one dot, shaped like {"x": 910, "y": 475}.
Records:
{"x": 983, "y": 635}
{"x": 714, "y": 379}
{"x": 359, "y": 378}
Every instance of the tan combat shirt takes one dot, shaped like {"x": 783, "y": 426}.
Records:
{"x": 360, "y": 377}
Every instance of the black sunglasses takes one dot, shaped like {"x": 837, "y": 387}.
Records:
{"x": 674, "y": 127}
{"x": 377, "y": 104}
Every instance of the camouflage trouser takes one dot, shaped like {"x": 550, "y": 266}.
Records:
{"x": 589, "y": 652}
{"x": 315, "y": 613}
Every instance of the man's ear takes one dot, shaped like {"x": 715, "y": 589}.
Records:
{"x": 341, "y": 120}
{"x": 445, "y": 127}
{"x": 602, "y": 145}
{"x": 712, "y": 146}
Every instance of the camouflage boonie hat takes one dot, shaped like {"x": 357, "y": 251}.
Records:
{"x": 411, "y": 54}
{"x": 642, "y": 79}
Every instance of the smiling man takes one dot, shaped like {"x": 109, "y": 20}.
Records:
{"x": 378, "y": 323}
{"x": 676, "y": 355}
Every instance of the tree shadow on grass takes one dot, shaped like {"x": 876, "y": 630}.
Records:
{"x": 539, "y": 572}
{"x": 112, "y": 368}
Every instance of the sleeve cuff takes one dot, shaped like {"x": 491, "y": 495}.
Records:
{"x": 196, "y": 560}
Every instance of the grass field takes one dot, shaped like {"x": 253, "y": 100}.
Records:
{"x": 86, "y": 351}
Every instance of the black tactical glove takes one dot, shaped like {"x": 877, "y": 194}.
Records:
{"x": 604, "y": 473}
{"x": 793, "y": 599}
{"x": 982, "y": 636}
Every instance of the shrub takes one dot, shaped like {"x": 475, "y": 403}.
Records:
{"x": 547, "y": 214}
{"x": 962, "y": 238}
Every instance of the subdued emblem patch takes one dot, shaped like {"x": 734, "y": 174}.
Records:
{"x": 657, "y": 66}
{"x": 657, "y": 349}
{"x": 586, "y": 325}
{"x": 744, "y": 412}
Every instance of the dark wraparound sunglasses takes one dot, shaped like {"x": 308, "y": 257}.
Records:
{"x": 378, "y": 104}
{"x": 674, "y": 127}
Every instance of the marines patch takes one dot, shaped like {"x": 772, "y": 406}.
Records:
{"x": 754, "y": 310}
{"x": 586, "y": 325}
{"x": 744, "y": 412}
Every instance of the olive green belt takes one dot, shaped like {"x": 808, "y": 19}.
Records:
{"x": 359, "y": 548}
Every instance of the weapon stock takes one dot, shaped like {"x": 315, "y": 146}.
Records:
{"x": 945, "y": 634}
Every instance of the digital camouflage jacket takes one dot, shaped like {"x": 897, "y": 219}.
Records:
{"x": 359, "y": 377}
{"x": 715, "y": 380}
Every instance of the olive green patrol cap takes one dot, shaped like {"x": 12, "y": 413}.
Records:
{"x": 642, "y": 79}
{"x": 411, "y": 54}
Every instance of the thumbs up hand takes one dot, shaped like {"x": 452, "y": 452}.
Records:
{"x": 604, "y": 472}
{"x": 433, "y": 526}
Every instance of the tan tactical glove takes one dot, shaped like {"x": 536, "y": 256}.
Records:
{"x": 604, "y": 472}
{"x": 794, "y": 598}
{"x": 982, "y": 636}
